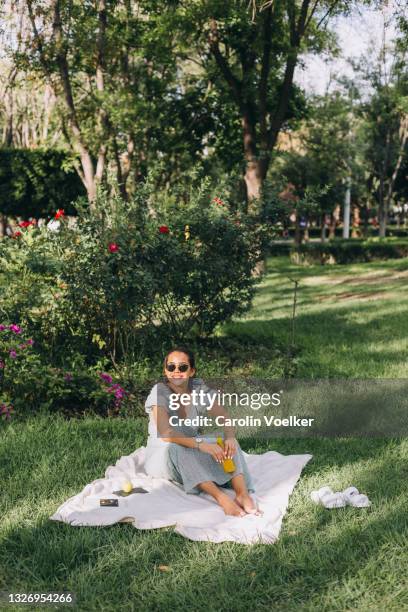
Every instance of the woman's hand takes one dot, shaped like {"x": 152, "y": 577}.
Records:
{"x": 214, "y": 450}
{"x": 230, "y": 447}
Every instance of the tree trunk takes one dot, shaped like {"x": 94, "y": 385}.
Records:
{"x": 355, "y": 231}
{"x": 335, "y": 216}
{"x": 322, "y": 229}
{"x": 382, "y": 210}
{"x": 306, "y": 236}
{"x": 253, "y": 181}
{"x": 3, "y": 225}
{"x": 298, "y": 231}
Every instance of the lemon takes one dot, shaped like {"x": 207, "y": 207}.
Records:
{"x": 127, "y": 487}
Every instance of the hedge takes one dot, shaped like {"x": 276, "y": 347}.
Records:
{"x": 35, "y": 183}
{"x": 349, "y": 251}
{"x": 372, "y": 232}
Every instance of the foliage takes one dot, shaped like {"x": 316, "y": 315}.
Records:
{"x": 349, "y": 251}
{"x": 124, "y": 280}
{"x": 33, "y": 183}
{"x": 134, "y": 278}
{"x": 136, "y": 81}
{"x": 14, "y": 359}
{"x": 32, "y": 385}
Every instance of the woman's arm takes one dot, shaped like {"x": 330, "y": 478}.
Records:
{"x": 168, "y": 434}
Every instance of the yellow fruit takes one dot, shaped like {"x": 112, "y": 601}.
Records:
{"x": 127, "y": 487}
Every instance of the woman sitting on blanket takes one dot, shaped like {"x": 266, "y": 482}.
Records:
{"x": 177, "y": 452}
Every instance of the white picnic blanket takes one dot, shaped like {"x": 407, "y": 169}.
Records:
{"x": 196, "y": 517}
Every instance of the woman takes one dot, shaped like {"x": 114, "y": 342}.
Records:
{"x": 177, "y": 452}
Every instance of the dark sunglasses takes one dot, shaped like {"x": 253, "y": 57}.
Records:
{"x": 182, "y": 367}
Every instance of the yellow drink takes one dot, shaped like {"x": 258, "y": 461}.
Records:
{"x": 227, "y": 464}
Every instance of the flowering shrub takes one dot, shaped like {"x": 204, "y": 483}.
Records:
{"x": 130, "y": 276}
{"x": 134, "y": 280}
{"x": 6, "y": 410}
{"x": 35, "y": 386}
{"x": 14, "y": 349}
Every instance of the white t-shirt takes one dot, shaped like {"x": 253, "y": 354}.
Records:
{"x": 156, "y": 447}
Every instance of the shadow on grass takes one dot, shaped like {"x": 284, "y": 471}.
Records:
{"x": 317, "y": 333}
{"x": 107, "y": 564}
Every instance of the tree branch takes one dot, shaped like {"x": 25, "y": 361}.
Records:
{"x": 328, "y": 12}
{"x": 100, "y": 85}
{"x": 234, "y": 83}
{"x": 297, "y": 29}
{"x": 265, "y": 69}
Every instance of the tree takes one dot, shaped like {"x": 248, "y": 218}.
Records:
{"x": 110, "y": 66}
{"x": 324, "y": 161}
{"x": 386, "y": 121}
{"x": 253, "y": 54}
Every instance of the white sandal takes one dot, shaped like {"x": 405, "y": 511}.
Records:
{"x": 356, "y": 499}
{"x": 349, "y": 497}
{"x": 328, "y": 499}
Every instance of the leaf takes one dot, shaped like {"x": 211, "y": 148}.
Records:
{"x": 96, "y": 339}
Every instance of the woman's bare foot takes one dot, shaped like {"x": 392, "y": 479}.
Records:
{"x": 229, "y": 506}
{"x": 247, "y": 503}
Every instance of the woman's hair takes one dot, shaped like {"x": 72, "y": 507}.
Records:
{"x": 181, "y": 349}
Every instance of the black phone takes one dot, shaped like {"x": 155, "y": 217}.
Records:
{"x": 109, "y": 502}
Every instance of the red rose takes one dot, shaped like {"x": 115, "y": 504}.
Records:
{"x": 163, "y": 229}
{"x": 60, "y": 213}
{"x": 113, "y": 247}
{"x": 218, "y": 201}
{"x": 16, "y": 235}
{"x": 24, "y": 223}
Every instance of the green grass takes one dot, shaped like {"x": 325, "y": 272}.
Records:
{"x": 351, "y": 320}
{"x": 347, "y": 559}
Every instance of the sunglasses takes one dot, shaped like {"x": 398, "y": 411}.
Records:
{"x": 182, "y": 367}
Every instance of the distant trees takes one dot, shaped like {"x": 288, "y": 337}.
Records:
{"x": 385, "y": 117}
{"x": 251, "y": 59}
{"x": 125, "y": 86}
{"x": 132, "y": 82}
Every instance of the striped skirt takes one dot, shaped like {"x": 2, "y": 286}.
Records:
{"x": 190, "y": 467}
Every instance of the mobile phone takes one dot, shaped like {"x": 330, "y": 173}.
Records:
{"x": 109, "y": 502}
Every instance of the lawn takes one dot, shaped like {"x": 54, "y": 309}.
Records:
{"x": 351, "y": 322}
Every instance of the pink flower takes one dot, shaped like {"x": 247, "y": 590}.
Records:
{"x": 6, "y": 410}
{"x": 106, "y": 377}
{"x": 2, "y": 327}
{"x": 15, "y": 328}
{"x": 68, "y": 377}
{"x": 113, "y": 247}
{"x": 117, "y": 390}
{"x": 30, "y": 342}
{"x": 13, "y": 354}
{"x": 1, "y": 365}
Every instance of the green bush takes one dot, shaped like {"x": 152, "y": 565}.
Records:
{"x": 34, "y": 183}
{"x": 280, "y": 248}
{"x": 130, "y": 276}
{"x": 28, "y": 384}
{"x": 349, "y": 251}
